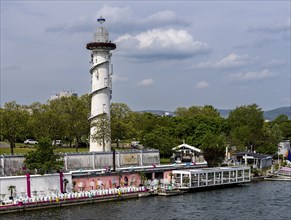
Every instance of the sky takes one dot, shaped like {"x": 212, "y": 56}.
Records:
{"x": 169, "y": 54}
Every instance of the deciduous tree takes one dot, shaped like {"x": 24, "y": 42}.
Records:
{"x": 102, "y": 132}
{"x": 213, "y": 149}
{"x": 43, "y": 158}
{"x": 13, "y": 119}
{"x": 246, "y": 123}
{"x": 121, "y": 122}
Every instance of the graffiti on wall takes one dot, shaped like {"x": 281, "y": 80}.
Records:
{"x": 130, "y": 159}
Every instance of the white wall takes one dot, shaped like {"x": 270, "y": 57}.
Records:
{"x": 92, "y": 160}
{"x": 49, "y": 183}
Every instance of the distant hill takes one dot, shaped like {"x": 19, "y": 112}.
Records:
{"x": 224, "y": 112}
{"x": 272, "y": 114}
{"x": 268, "y": 115}
{"x": 159, "y": 112}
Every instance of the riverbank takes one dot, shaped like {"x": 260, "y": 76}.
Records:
{"x": 263, "y": 200}
{"x": 84, "y": 190}
{"x": 70, "y": 199}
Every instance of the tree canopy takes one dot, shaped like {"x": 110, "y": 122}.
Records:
{"x": 43, "y": 158}
{"x": 14, "y": 119}
{"x": 246, "y": 123}
{"x": 213, "y": 148}
{"x": 199, "y": 126}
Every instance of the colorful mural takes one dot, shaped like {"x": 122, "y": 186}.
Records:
{"x": 106, "y": 182}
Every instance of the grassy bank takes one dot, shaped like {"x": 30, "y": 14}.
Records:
{"x": 24, "y": 150}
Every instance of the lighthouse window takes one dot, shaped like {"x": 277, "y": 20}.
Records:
{"x": 104, "y": 108}
{"x": 97, "y": 75}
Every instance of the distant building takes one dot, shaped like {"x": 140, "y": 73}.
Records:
{"x": 256, "y": 160}
{"x": 284, "y": 147}
{"x": 186, "y": 153}
{"x": 63, "y": 94}
{"x": 159, "y": 113}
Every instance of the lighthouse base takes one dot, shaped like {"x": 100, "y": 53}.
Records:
{"x": 94, "y": 146}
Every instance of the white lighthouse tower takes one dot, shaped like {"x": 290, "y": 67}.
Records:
{"x": 101, "y": 82}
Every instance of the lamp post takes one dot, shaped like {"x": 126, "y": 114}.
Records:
{"x": 278, "y": 157}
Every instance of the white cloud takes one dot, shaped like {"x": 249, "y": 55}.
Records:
{"x": 135, "y": 35}
{"x": 165, "y": 17}
{"x": 87, "y": 23}
{"x": 230, "y": 61}
{"x": 115, "y": 14}
{"x": 121, "y": 20}
{"x": 201, "y": 85}
{"x": 249, "y": 76}
{"x": 145, "y": 82}
{"x": 169, "y": 43}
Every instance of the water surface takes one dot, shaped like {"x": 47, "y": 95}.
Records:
{"x": 264, "y": 200}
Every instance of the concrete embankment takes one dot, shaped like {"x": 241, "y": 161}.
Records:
{"x": 20, "y": 207}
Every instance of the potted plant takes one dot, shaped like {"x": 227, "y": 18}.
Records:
{"x": 143, "y": 178}
{"x": 74, "y": 185}
{"x": 65, "y": 185}
{"x": 34, "y": 193}
{"x": 186, "y": 181}
{"x": 171, "y": 178}
{"x": 11, "y": 188}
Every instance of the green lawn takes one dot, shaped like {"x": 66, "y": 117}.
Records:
{"x": 19, "y": 150}
{"x": 164, "y": 160}
{"x": 70, "y": 150}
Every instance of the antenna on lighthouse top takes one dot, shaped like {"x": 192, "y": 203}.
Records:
{"x": 101, "y": 20}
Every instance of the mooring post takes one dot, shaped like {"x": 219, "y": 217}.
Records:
{"x": 28, "y": 190}
{"x": 113, "y": 155}
{"x": 61, "y": 182}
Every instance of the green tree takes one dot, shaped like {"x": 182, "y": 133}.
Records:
{"x": 272, "y": 135}
{"x": 284, "y": 124}
{"x": 56, "y": 119}
{"x": 280, "y": 119}
{"x": 144, "y": 123}
{"x": 161, "y": 139}
{"x": 75, "y": 113}
{"x": 13, "y": 119}
{"x": 207, "y": 110}
{"x": 285, "y": 127}
{"x": 246, "y": 123}
{"x": 39, "y": 121}
{"x": 43, "y": 158}
{"x": 193, "y": 129}
{"x": 121, "y": 122}
{"x": 102, "y": 132}
{"x": 213, "y": 149}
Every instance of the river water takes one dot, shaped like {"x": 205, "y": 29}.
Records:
{"x": 263, "y": 200}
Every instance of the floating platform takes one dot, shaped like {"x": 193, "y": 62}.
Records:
{"x": 173, "y": 192}
{"x": 63, "y": 200}
{"x": 211, "y": 177}
{"x": 183, "y": 180}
